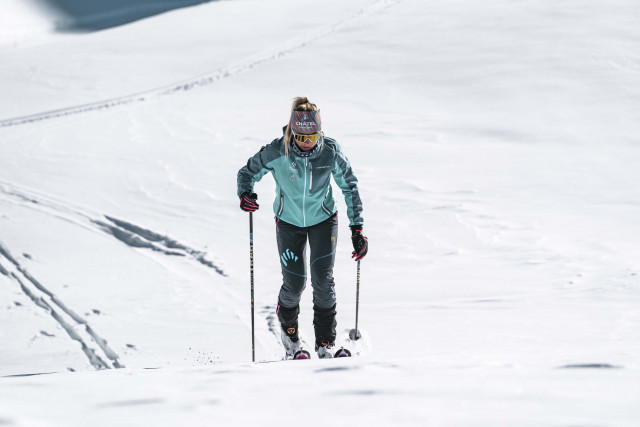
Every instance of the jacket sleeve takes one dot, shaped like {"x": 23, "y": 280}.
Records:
{"x": 257, "y": 166}
{"x": 348, "y": 183}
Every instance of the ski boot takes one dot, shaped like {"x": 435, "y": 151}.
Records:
{"x": 324, "y": 323}
{"x": 324, "y": 350}
{"x": 290, "y": 340}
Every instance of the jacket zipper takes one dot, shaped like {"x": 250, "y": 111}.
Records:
{"x": 304, "y": 193}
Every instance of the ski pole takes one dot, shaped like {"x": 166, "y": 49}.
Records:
{"x": 357, "y": 298}
{"x": 253, "y": 341}
{"x": 356, "y": 335}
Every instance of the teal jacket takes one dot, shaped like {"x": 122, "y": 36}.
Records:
{"x": 303, "y": 189}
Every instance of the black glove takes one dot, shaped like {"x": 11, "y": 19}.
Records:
{"x": 360, "y": 243}
{"x": 248, "y": 202}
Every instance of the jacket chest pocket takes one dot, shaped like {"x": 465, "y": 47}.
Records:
{"x": 320, "y": 175}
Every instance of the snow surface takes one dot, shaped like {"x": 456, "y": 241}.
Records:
{"x": 497, "y": 149}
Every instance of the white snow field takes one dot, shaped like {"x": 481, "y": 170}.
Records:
{"x": 497, "y": 146}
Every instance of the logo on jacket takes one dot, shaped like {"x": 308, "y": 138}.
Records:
{"x": 288, "y": 256}
{"x": 294, "y": 169}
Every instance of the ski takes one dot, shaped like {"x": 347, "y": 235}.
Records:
{"x": 301, "y": 355}
{"x": 343, "y": 352}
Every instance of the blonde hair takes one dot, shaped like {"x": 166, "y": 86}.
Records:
{"x": 300, "y": 103}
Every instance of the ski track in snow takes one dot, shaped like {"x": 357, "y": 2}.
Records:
{"x": 139, "y": 237}
{"x": 210, "y": 77}
{"x": 269, "y": 313}
{"x": 126, "y": 232}
{"x": 76, "y": 327}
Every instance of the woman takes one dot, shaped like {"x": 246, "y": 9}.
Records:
{"x": 302, "y": 162}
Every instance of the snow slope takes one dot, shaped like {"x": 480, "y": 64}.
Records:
{"x": 497, "y": 149}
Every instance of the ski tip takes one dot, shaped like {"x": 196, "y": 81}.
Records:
{"x": 343, "y": 352}
{"x": 301, "y": 355}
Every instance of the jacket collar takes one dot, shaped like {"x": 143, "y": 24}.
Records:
{"x": 305, "y": 154}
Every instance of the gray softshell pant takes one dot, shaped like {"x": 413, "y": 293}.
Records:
{"x": 292, "y": 248}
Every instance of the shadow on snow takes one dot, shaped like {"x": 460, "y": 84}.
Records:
{"x": 83, "y": 15}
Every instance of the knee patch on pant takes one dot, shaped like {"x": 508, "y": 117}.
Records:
{"x": 324, "y": 323}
